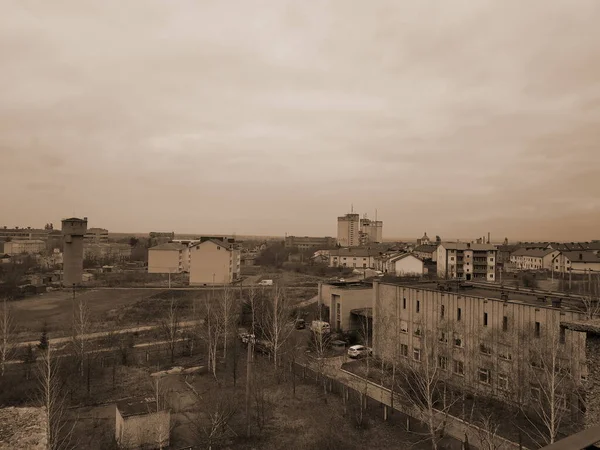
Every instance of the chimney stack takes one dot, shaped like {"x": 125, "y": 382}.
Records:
{"x": 489, "y": 237}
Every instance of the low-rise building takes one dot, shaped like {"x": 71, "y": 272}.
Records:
{"x": 576, "y": 262}
{"x": 533, "y": 259}
{"x": 357, "y": 258}
{"x": 139, "y": 424}
{"x": 29, "y": 246}
{"x": 24, "y": 233}
{"x": 405, "y": 264}
{"x": 346, "y": 303}
{"x": 306, "y": 242}
{"x": 170, "y": 257}
{"x": 466, "y": 260}
{"x": 426, "y": 251}
{"x": 214, "y": 261}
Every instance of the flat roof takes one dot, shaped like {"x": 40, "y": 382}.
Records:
{"x": 137, "y": 406}
{"x": 351, "y": 285}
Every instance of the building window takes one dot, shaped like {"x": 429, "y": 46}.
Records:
{"x": 484, "y": 376}
{"x": 486, "y": 350}
{"x": 458, "y": 340}
{"x": 417, "y": 354}
{"x": 443, "y": 362}
{"x": 562, "y": 337}
{"x": 218, "y": 248}
{"x": 443, "y": 337}
{"x": 417, "y": 330}
{"x": 503, "y": 381}
{"x": 403, "y": 326}
{"x": 537, "y": 329}
{"x": 485, "y": 319}
{"x": 458, "y": 314}
{"x": 458, "y": 367}
{"x": 442, "y": 311}
{"x": 404, "y": 303}
{"x": 504, "y": 354}
{"x": 418, "y": 306}
{"x": 404, "y": 350}
{"x": 505, "y": 323}
{"x": 452, "y": 258}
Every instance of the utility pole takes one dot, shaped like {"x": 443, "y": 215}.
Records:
{"x": 248, "y": 378}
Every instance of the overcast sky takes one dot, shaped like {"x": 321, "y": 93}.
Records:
{"x": 271, "y": 116}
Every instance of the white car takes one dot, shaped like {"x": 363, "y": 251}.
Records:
{"x": 356, "y": 351}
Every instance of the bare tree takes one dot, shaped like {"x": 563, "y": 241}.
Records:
{"x": 550, "y": 381}
{"x": 275, "y": 322}
{"x": 81, "y": 327}
{"x": 210, "y": 330}
{"x": 171, "y": 327}
{"x": 423, "y": 374}
{"x": 6, "y": 335}
{"x": 487, "y": 434}
{"x": 53, "y": 398}
{"x": 319, "y": 343}
{"x": 590, "y": 296}
{"x": 227, "y": 310}
{"x": 212, "y": 425}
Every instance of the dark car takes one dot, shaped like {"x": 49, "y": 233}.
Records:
{"x": 300, "y": 324}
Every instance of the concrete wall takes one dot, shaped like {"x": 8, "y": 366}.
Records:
{"x": 347, "y": 299}
{"x": 408, "y": 265}
{"x": 147, "y": 430}
{"x": 165, "y": 261}
{"x": 73, "y": 232}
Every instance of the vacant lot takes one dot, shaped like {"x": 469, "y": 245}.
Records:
{"x": 55, "y": 309}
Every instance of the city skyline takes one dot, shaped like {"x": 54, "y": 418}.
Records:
{"x": 457, "y": 118}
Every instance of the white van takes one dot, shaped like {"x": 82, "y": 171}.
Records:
{"x": 266, "y": 283}
{"x": 319, "y": 326}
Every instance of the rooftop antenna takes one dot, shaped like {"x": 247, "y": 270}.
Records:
{"x": 351, "y": 208}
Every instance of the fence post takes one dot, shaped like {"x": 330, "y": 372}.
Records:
{"x": 385, "y": 413}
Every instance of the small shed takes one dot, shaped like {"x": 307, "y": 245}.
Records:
{"x": 139, "y": 424}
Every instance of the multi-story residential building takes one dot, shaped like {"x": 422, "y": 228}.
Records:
{"x": 306, "y": 242}
{"x": 29, "y": 246}
{"x": 371, "y": 231}
{"x": 358, "y": 258}
{"x": 348, "y": 231}
{"x": 214, "y": 261}
{"x": 96, "y": 236}
{"x": 170, "y": 257}
{"x": 504, "y": 252}
{"x": 426, "y": 251}
{"x": 534, "y": 259}
{"x": 466, "y": 260}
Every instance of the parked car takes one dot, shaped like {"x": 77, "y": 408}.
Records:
{"x": 319, "y": 326}
{"x": 265, "y": 283}
{"x": 300, "y": 324}
{"x": 342, "y": 280}
{"x": 358, "y": 351}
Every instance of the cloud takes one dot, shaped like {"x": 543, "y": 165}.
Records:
{"x": 447, "y": 116}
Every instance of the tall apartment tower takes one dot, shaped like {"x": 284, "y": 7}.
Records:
{"x": 73, "y": 231}
{"x": 348, "y": 232}
{"x": 371, "y": 231}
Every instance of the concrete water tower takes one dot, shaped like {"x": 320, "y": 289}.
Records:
{"x": 73, "y": 231}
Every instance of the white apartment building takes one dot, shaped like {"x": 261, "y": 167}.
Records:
{"x": 533, "y": 259}
{"x": 29, "y": 246}
{"x": 214, "y": 261}
{"x": 466, "y": 260}
{"x": 357, "y": 258}
{"x": 348, "y": 231}
{"x": 168, "y": 258}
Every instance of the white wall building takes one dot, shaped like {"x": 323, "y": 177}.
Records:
{"x": 348, "y": 231}
{"x": 29, "y": 246}
{"x": 214, "y": 262}
{"x": 168, "y": 258}
{"x": 466, "y": 260}
{"x": 533, "y": 259}
{"x": 357, "y": 258}
{"x": 405, "y": 264}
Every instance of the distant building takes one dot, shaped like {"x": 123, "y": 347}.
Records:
{"x": 426, "y": 251}
{"x": 139, "y": 424}
{"x": 171, "y": 257}
{"x": 111, "y": 251}
{"x": 358, "y": 258}
{"x": 348, "y": 231}
{"x": 96, "y": 235}
{"x": 466, "y": 260}
{"x": 576, "y": 262}
{"x": 526, "y": 259}
{"x": 24, "y": 233}
{"x": 405, "y": 264}
{"x": 424, "y": 240}
{"x": 306, "y": 242}
{"x": 73, "y": 231}
{"x": 214, "y": 261}
{"x": 371, "y": 231}
{"x": 30, "y": 246}
{"x": 161, "y": 237}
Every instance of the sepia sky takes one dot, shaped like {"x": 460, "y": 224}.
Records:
{"x": 271, "y": 116}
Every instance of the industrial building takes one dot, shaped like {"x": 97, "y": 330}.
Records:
{"x": 371, "y": 231}
{"x": 139, "y": 424}
{"x": 29, "y": 246}
{"x": 73, "y": 231}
